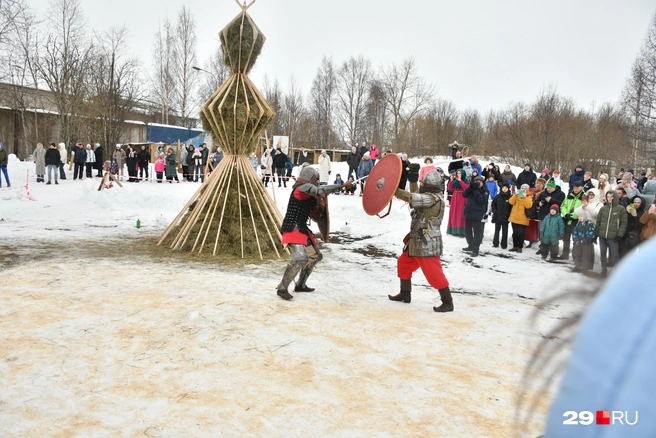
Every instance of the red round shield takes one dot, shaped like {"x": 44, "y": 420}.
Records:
{"x": 381, "y": 184}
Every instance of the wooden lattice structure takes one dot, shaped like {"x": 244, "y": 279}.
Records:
{"x": 232, "y": 212}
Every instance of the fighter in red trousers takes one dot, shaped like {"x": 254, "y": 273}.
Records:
{"x": 423, "y": 245}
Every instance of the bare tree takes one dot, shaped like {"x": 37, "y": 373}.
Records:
{"x": 18, "y": 61}
{"x": 375, "y": 124}
{"x": 114, "y": 87}
{"x": 64, "y": 64}
{"x": 185, "y": 48}
{"x": 639, "y": 100}
{"x": 215, "y": 72}
{"x": 273, "y": 94}
{"x": 292, "y": 110}
{"x": 322, "y": 99}
{"x": 164, "y": 83}
{"x": 354, "y": 76}
{"x": 407, "y": 95}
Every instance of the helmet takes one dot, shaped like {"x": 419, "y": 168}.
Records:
{"x": 432, "y": 179}
{"x": 308, "y": 174}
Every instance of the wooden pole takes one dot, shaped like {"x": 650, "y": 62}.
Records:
{"x": 216, "y": 188}
{"x": 191, "y": 221}
{"x": 250, "y": 208}
{"x": 220, "y": 186}
{"x": 266, "y": 223}
{"x": 241, "y": 224}
{"x": 218, "y": 234}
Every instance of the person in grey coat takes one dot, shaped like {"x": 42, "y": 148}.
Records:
{"x": 40, "y": 162}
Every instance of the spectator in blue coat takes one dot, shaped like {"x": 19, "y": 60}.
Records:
{"x": 492, "y": 186}
{"x": 578, "y": 175}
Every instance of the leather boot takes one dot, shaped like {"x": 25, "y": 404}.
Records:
{"x": 447, "y": 301}
{"x": 404, "y": 294}
{"x": 300, "y": 284}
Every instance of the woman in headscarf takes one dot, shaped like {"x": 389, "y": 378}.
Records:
{"x": 458, "y": 182}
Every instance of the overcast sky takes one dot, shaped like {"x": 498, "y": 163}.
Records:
{"x": 481, "y": 54}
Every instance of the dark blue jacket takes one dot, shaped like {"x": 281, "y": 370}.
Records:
{"x": 476, "y": 206}
{"x": 80, "y": 156}
{"x": 576, "y": 176}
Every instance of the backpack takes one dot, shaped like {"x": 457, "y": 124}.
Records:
{"x": 631, "y": 239}
{"x": 584, "y": 232}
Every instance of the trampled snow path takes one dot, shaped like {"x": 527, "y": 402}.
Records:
{"x": 96, "y": 339}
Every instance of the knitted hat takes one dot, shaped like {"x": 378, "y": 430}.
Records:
{"x": 554, "y": 207}
{"x": 479, "y": 178}
{"x": 577, "y": 184}
{"x": 505, "y": 185}
{"x": 545, "y": 170}
{"x": 551, "y": 183}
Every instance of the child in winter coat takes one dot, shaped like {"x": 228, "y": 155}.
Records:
{"x": 500, "y": 215}
{"x": 551, "y": 230}
{"x": 340, "y": 181}
{"x": 492, "y": 186}
{"x": 352, "y": 189}
{"x": 584, "y": 237}
{"x": 159, "y": 168}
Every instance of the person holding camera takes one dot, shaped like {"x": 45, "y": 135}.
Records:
{"x": 477, "y": 196}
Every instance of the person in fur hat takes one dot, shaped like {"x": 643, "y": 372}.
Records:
{"x": 603, "y": 185}
{"x": 551, "y": 231}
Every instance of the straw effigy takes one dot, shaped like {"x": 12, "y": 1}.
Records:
{"x": 232, "y": 213}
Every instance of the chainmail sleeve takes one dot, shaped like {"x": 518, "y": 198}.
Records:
{"x": 320, "y": 191}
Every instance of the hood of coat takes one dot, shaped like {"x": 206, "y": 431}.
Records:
{"x": 616, "y": 199}
{"x": 642, "y": 204}
{"x": 650, "y": 187}
{"x": 597, "y": 198}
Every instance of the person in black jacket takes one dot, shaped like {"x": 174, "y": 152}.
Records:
{"x": 353, "y": 161}
{"x": 404, "y": 171}
{"x": 190, "y": 162}
{"x": 500, "y": 214}
{"x": 143, "y": 156}
{"x": 477, "y": 196}
{"x": 279, "y": 161}
{"x": 79, "y": 159}
{"x": 551, "y": 195}
{"x": 527, "y": 177}
{"x": 100, "y": 162}
{"x": 53, "y": 159}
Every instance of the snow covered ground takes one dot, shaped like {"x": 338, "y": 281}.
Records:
{"x": 101, "y": 336}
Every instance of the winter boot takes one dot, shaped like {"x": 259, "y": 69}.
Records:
{"x": 447, "y": 301}
{"x": 285, "y": 295}
{"x": 404, "y": 294}
{"x": 468, "y": 249}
